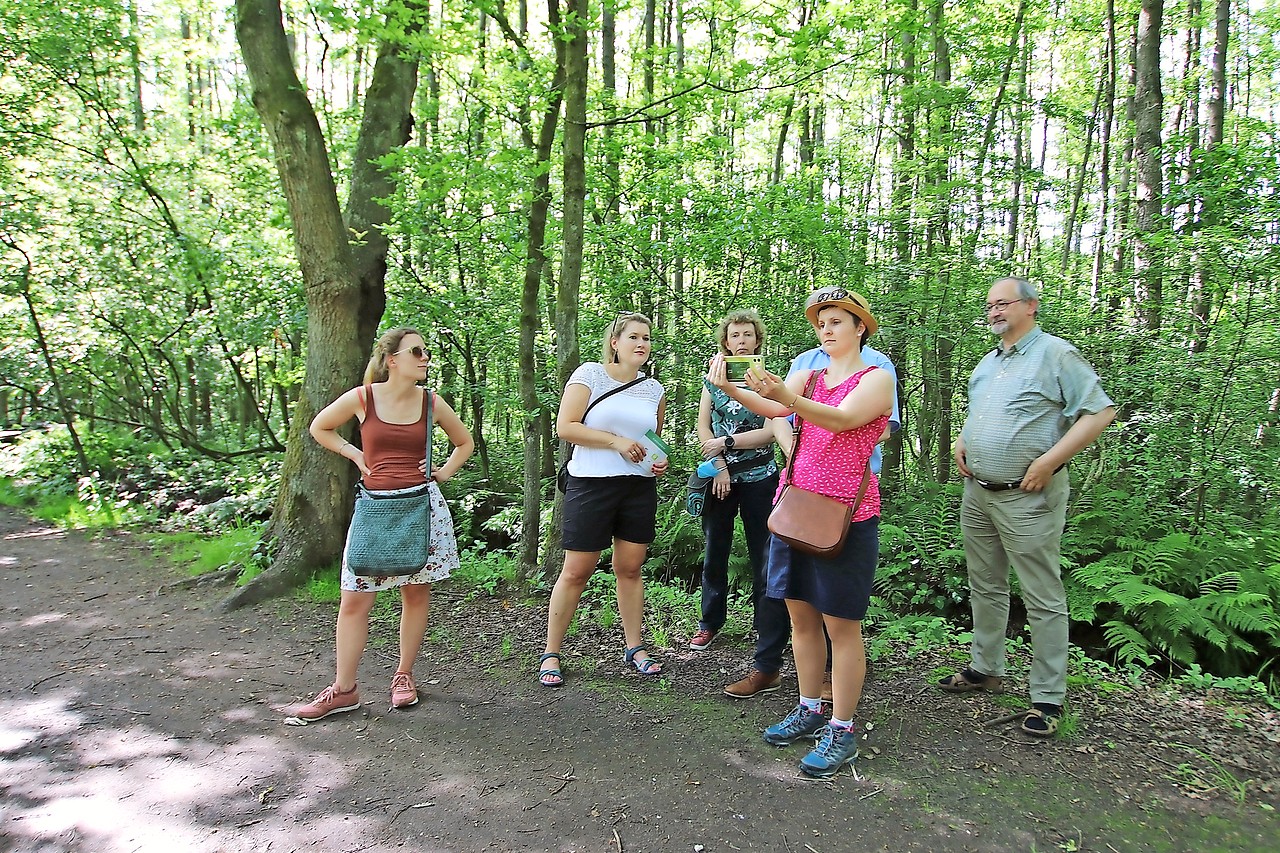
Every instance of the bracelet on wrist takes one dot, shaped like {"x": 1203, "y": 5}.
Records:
{"x": 794, "y": 400}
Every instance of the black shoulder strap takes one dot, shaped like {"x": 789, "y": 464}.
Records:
{"x": 610, "y": 393}
{"x": 599, "y": 399}
{"x": 426, "y": 404}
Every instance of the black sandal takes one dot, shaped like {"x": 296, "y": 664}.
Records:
{"x": 543, "y": 674}
{"x": 1041, "y": 723}
{"x": 647, "y": 666}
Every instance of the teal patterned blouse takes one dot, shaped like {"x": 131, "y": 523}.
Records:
{"x": 729, "y": 417}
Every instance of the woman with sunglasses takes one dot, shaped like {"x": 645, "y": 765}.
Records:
{"x": 611, "y": 497}
{"x": 392, "y": 411}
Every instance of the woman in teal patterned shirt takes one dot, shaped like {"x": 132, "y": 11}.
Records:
{"x": 733, "y": 435}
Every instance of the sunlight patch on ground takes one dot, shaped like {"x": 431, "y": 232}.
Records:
{"x": 131, "y": 787}
{"x": 43, "y": 619}
{"x": 25, "y": 722}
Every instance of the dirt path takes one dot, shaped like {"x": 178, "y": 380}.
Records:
{"x": 132, "y": 718}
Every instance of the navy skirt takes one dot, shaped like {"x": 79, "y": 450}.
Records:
{"x": 840, "y": 586}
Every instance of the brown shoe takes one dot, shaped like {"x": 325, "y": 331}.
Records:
{"x": 968, "y": 680}
{"x": 755, "y": 683}
{"x": 827, "y": 696}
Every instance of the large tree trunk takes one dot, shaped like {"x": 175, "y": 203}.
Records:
{"x": 387, "y": 124}
{"x": 313, "y": 506}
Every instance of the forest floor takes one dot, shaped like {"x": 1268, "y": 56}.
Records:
{"x": 134, "y": 717}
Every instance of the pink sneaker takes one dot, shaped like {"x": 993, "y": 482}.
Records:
{"x": 330, "y": 701}
{"x": 403, "y": 691}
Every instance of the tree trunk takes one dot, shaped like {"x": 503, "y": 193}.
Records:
{"x": 1104, "y": 153}
{"x": 386, "y": 124}
{"x": 1202, "y": 296}
{"x": 573, "y": 146}
{"x": 313, "y": 506}
{"x": 1148, "y": 113}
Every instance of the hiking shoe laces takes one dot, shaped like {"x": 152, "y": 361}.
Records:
{"x": 800, "y": 723}
{"x": 403, "y": 691}
{"x": 330, "y": 701}
{"x": 835, "y": 749}
{"x": 702, "y": 639}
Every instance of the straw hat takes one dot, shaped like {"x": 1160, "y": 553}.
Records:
{"x": 855, "y": 303}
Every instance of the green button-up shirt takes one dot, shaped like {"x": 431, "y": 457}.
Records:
{"x": 1022, "y": 400}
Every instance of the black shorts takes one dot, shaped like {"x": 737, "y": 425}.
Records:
{"x": 598, "y": 510}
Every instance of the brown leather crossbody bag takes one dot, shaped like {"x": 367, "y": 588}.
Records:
{"x": 806, "y": 520}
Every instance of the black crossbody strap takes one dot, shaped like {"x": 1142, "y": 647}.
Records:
{"x": 746, "y": 465}
{"x": 601, "y": 399}
{"x": 430, "y": 399}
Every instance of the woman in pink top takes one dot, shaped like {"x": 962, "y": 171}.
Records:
{"x": 843, "y": 418}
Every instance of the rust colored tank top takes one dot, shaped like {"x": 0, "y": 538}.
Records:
{"x": 393, "y": 452}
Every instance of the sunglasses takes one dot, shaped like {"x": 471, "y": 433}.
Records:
{"x": 416, "y": 352}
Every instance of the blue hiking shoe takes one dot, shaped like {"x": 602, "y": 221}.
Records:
{"x": 800, "y": 723}
{"x": 835, "y": 749}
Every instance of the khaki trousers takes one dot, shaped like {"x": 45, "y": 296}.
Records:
{"x": 1022, "y": 530}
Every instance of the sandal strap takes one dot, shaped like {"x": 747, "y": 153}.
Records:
{"x": 547, "y": 656}
{"x": 630, "y": 654}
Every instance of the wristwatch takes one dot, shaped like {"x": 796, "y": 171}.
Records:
{"x": 729, "y": 442}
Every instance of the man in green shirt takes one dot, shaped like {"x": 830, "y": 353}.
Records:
{"x": 1034, "y": 403}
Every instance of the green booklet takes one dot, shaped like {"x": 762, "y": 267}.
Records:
{"x": 658, "y": 450}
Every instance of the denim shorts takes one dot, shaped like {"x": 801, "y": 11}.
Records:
{"x": 840, "y": 586}
{"x": 598, "y": 510}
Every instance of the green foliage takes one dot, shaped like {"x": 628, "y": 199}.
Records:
{"x": 324, "y": 587}
{"x": 670, "y": 612}
{"x": 905, "y": 636}
{"x": 136, "y": 481}
{"x": 235, "y": 547}
{"x": 485, "y": 573}
{"x": 1245, "y": 687}
{"x": 1186, "y": 599}
{"x": 922, "y": 566}
{"x": 676, "y": 552}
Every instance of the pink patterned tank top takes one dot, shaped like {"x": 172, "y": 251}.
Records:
{"x": 832, "y": 464}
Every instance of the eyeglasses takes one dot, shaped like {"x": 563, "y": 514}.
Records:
{"x": 416, "y": 352}
{"x": 1002, "y": 304}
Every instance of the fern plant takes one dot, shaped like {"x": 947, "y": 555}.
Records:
{"x": 1188, "y": 600}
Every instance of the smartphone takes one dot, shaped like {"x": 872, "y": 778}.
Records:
{"x": 736, "y": 366}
